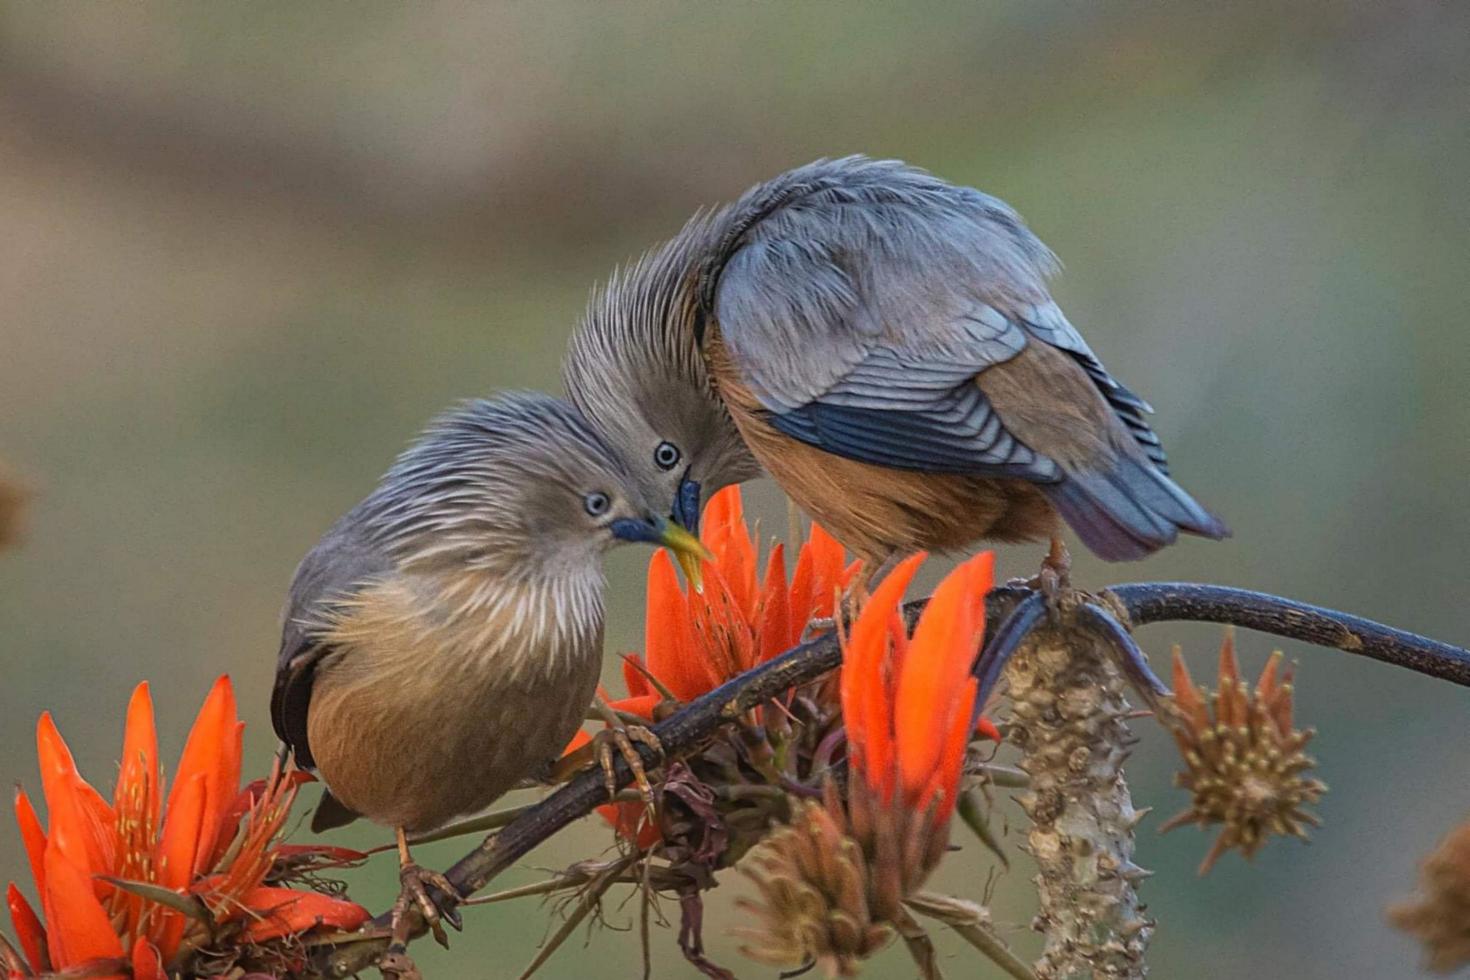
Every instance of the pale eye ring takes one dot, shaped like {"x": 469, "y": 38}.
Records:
{"x": 596, "y": 503}
{"x": 666, "y": 455}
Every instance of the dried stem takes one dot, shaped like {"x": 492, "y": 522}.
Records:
{"x": 1154, "y": 602}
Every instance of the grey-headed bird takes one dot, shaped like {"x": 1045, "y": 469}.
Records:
{"x": 885, "y": 345}
{"x": 443, "y": 640}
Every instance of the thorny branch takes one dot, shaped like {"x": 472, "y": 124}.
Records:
{"x": 1122, "y": 608}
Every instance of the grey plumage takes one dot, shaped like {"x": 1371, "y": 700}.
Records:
{"x": 443, "y": 640}
{"x": 858, "y": 301}
{"x": 632, "y": 367}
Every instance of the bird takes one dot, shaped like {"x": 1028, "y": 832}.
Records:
{"x": 633, "y": 367}
{"x": 885, "y": 346}
{"x": 443, "y": 640}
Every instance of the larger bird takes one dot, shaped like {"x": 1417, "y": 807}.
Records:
{"x": 884, "y": 344}
{"x": 443, "y": 640}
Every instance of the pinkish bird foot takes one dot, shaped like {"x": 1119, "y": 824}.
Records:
{"x": 1053, "y": 580}
{"x": 618, "y": 738}
{"x": 434, "y": 897}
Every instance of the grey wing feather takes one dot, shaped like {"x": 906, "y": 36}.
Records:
{"x": 338, "y": 566}
{"x": 859, "y": 311}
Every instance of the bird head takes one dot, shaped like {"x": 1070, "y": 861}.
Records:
{"x": 634, "y": 369}
{"x": 520, "y": 484}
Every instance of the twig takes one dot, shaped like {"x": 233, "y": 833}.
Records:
{"x": 1153, "y": 602}
{"x": 973, "y": 929}
{"x": 586, "y": 902}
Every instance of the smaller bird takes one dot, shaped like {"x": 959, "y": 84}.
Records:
{"x": 885, "y": 345}
{"x": 443, "y": 640}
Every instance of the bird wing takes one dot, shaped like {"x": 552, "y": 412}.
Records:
{"x": 859, "y": 312}
{"x": 334, "y": 570}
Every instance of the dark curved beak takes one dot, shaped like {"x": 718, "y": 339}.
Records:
{"x": 688, "y": 551}
{"x": 686, "y": 505}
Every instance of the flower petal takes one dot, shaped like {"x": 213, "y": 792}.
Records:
{"x": 642, "y": 706}
{"x": 818, "y": 577}
{"x": 212, "y": 751}
{"x": 277, "y": 912}
{"x": 944, "y": 782}
{"x": 633, "y": 678}
{"x": 669, "y": 642}
{"x": 776, "y": 633}
{"x": 138, "y": 792}
{"x": 180, "y": 842}
{"x": 147, "y": 964}
{"x": 726, "y": 535}
{"x": 77, "y": 926}
{"x": 28, "y": 929}
{"x": 33, "y": 837}
{"x": 80, "y": 823}
{"x": 931, "y": 687}
{"x": 630, "y": 822}
{"x": 867, "y": 704}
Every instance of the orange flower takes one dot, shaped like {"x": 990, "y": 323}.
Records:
{"x": 698, "y": 640}
{"x": 102, "y": 869}
{"x": 908, "y": 701}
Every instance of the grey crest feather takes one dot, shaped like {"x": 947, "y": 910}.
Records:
{"x": 634, "y": 368}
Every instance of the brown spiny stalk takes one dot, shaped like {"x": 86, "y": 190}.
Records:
{"x": 1068, "y": 718}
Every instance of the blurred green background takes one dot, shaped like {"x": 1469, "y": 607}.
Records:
{"x": 249, "y": 249}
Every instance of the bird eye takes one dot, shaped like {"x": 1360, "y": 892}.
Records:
{"x": 596, "y": 503}
{"x": 666, "y": 455}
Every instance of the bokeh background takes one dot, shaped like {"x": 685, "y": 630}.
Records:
{"x": 246, "y": 250}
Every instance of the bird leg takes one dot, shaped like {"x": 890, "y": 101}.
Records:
{"x": 1053, "y": 579}
{"x": 1055, "y": 576}
{"x": 620, "y": 737}
{"x": 414, "y": 884}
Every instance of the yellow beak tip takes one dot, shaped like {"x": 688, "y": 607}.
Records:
{"x": 689, "y": 551}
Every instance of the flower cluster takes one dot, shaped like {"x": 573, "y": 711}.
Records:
{"x": 832, "y": 884}
{"x": 699, "y": 639}
{"x": 832, "y": 867}
{"x": 1245, "y": 762}
{"x": 138, "y": 885}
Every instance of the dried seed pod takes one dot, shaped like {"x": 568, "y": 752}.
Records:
{"x": 1440, "y": 917}
{"x": 1245, "y": 763}
{"x": 813, "y": 885}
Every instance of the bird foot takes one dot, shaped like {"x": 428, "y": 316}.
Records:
{"x": 849, "y": 603}
{"x": 436, "y": 906}
{"x": 619, "y": 738}
{"x": 1053, "y": 579}
{"x": 818, "y": 626}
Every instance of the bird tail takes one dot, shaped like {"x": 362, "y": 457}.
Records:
{"x": 1130, "y": 509}
{"x": 331, "y": 813}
